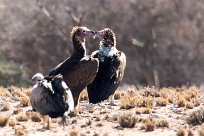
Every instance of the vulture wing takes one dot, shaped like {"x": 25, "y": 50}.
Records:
{"x": 108, "y": 78}
{"x": 43, "y": 101}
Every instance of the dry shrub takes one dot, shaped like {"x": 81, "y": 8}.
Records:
{"x": 4, "y": 120}
{"x": 201, "y": 131}
{"x": 181, "y": 132}
{"x": 149, "y": 124}
{"x": 117, "y": 95}
{"x": 74, "y": 132}
{"x": 98, "y": 118}
{"x": 189, "y": 105}
{"x": 16, "y": 91}
{"x": 144, "y": 110}
{"x": 162, "y": 101}
{"x": 127, "y": 120}
{"x": 27, "y": 91}
{"x": 4, "y": 92}
{"x": 181, "y": 101}
{"x": 22, "y": 117}
{"x": 130, "y": 100}
{"x": 19, "y": 130}
{"x": 5, "y": 106}
{"x": 196, "y": 117}
{"x": 89, "y": 122}
{"x": 147, "y": 91}
{"x": 36, "y": 117}
{"x": 12, "y": 122}
{"x": 84, "y": 96}
{"x": 190, "y": 132}
{"x": 24, "y": 100}
{"x": 162, "y": 123}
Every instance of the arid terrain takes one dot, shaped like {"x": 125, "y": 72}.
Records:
{"x": 145, "y": 111}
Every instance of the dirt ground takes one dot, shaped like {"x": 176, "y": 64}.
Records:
{"x": 105, "y": 118}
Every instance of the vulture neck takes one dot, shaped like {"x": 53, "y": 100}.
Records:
{"x": 79, "y": 47}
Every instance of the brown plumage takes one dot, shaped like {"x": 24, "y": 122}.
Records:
{"x": 112, "y": 65}
{"x": 79, "y": 69}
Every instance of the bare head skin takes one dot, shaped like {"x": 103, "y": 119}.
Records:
{"x": 81, "y": 32}
{"x": 107, "y": 36}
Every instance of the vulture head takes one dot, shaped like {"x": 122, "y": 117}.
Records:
{"x": 37, "y": 77}
{"x": 108, "y": 38}
{"x": 81, "y": 32}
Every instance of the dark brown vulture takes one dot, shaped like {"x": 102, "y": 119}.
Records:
{"x": 51, "y": 96}
{"x": 112, "y": 64}
{"x": 78, "y": 70}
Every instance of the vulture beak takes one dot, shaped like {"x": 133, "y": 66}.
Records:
{"x": 100, "y": 34}
{"x": 88, "y": 32}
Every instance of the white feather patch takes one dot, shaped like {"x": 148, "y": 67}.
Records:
{"x": 69, "y": 99}
{"x": 106, "y": 51}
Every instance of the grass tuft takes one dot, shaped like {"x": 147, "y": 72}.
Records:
{"x": 22, "y": 117}
{"x": 36, "y": 117}
{"x": 5, "y": 106}
{"x": 196, "y": 117}
{"x": 127, "y": 120}
{"x": 4, "y": 120}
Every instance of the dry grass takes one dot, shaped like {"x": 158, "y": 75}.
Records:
{"x": 162, "y": 101}
{"x": 149, "y": 125}
{"x": 36, "y": 117}
{"x": 117, "y": 95}
{"x": 162, "y": 123}
{"x": 74, "y": 132}
{"x": 25, "y": 100}
{"x": 22, "y": 117}
{"x": 4, "y": 92}
{"x": 196, "y": 117}
{"x": 98, "y": 118}
{"x": 12, "y": 122}
{"x": 5, "y": 106}
{"x": 143, "y": 110}
{"x": 127, "y": 120}
{"x": 4, "y": 120}
{"x": 130, "y": 100}
{"x": 20, "y": 130}
{"x": 181, "y": 132}
{"x": 201, "y": 131}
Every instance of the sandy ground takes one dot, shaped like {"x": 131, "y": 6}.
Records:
{"x": 102, "y": 120}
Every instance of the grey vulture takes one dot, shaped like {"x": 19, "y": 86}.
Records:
{"x": 78, "y": 70}
{"x": 112, "y": 65}
{"x": 51, "y": 96}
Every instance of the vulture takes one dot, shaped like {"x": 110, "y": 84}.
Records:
{"x": 78, "y": 70}
{"x": 112, "y": 64}
{"x": 51, "y": 96}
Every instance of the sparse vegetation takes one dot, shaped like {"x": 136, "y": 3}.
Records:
{"x": 181, "y": 132}
{"x": 36, "y": 117}
{"x": 5, "y": 106}
{"x": 25, "y": 101}
{"x": 22, "y": 117}
{"x": 4, "y": 120}
{"x": 20, "y": 130}
{"x": 149, "y": 124}
{"x": 128, "y": 120}
{"x": 162, "y": 123}
{"x": 12, "y": 122}
{"x": 196, "y": 117}
{"x": 201, "y": 131}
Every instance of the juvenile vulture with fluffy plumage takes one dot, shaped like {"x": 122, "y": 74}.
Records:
{"x": 51, "y": 96}
{"x": 78, "y": 70}
{"x": 112, "y": 64}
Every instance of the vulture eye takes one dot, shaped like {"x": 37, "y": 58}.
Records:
{"x": 83, "y": 31}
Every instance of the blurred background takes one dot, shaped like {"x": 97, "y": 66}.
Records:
{"x": 163, "y": 39}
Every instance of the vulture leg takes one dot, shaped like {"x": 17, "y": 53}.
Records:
{"x": 46, "y": 122}
{"x": 112, "y": 100}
